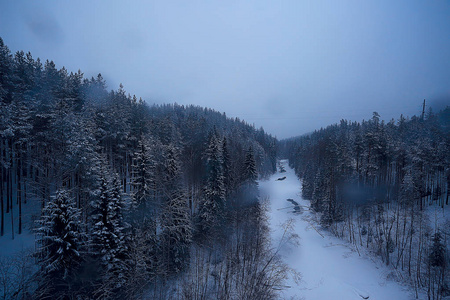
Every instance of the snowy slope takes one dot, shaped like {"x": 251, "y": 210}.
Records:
{"x": 329, "y": 267}
{"x": 26, "y": 240}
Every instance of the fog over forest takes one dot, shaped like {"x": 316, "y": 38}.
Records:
{"x": 160, "y": 150}
{"x": 291, "y": 67}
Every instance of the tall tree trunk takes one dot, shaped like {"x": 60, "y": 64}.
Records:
{"x": 2, "y": 221}
{"x": 19, "y": 192}
{"x": 410, "y": 241}
{"x": 11, "y": 203}
{"x": 8, "y": 190}
{"x": 10, "y": 176}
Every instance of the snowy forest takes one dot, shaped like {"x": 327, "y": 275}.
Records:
{"x": 127, "y": 200}
{"x": 384, "y": 187}
{"x": 120, "y": 199}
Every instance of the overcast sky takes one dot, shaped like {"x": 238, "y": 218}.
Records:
{"x": 289, "y": 66}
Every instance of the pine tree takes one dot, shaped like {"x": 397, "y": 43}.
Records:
{"x": 108, "y": 236}
{"x": 60, "y": 242}
{"x": 249, "y": 173}
{"x": 143, "y": 182}
{"x": 213, "y": 204}
{"x": 175, "y": 221}
{"x": 6, "y": 73}
{"x": 319, "y": 192}
{"x": 82, "y": 162}
{"x": 107, "y": 229}
{"x": 226, "y": 167}
{"x": 249, "y": 183}
{"x": 308, "y": 182}
{"x": 437, "y": 251}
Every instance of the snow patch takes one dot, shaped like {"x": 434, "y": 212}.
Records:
{"x": 330, "y": 267}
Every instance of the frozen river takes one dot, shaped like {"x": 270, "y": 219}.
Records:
{"x": 330, "y": 268}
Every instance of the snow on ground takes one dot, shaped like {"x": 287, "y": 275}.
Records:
{"x": 330, "y": 268}
{"x": 24, "y": 241}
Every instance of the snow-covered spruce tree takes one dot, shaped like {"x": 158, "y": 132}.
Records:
{"x": 143, "y": 241}
{"x": 116, "y": 212}
{"x": 82, "y": 162}
{"x": 249, "y": 183}
{"x": 437, "y": 268}
{"x": 250, "y": 175}
{"x": 6, "y": 74}
{"x": 226, "y": 168}
{"x": 319, "y": 193}
{"x": 142, "y": 181}
{"x": 59, "y": 241}
{"x": 211, "y": 212}
{"x": 176, "y": 235}
{"x": 308, "y": 182}
{"x": 108, "y": 237}
{"x": 101, "y": 225}
{"x": 437, "y": 252}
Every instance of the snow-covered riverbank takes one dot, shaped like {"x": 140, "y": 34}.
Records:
{"x": 329, "y": 267}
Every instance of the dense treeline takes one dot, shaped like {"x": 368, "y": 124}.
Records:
{"x": 384, "y": 186}
{"x": 133, "y": 200}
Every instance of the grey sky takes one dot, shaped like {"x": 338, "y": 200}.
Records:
{"x": 289, "y": 66}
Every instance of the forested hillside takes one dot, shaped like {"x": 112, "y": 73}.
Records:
{"x": 133, "y": 200}
{"x": 385, "y": 187}
{"x": 127, "y": 200}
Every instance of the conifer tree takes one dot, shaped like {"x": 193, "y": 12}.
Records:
{"x": 213, "y": 204}
{"x": 143, "y": 183}
{"x": 177, "y": 229}
{"x": 249, "y": 183}
{"x": 60, "y": 243}
{"x": 226, "y": 167}
{"x": 249, "y": 174}
{"x": 107, "y": 230}
{"x": 108, "y": 234}
{"x": 437, "y": 252}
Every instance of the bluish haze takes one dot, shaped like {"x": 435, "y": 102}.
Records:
{"x": 289, "y": 66}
